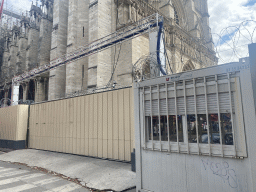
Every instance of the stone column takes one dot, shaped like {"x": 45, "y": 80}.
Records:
{"x": 32, "y": 48}
{"x": 78, "y": 29}
{"x": 12, "y": 60}
{"x": 40, "y": 89}
{"x": 45, "y": 41}
{"x": 192, "y": 20}
{"x": 6, "y": 97}
{"x": 57, "y": 78}
{"x": 25, "y": 91}
{"x": 21, "y": 57}
{"x": 5, "y": 71}
{"x": 100, "y": 25}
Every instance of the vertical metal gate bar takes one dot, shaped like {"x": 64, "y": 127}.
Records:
{"x": 197, "y": 137}
{"x": 218, "y": 105}
{"x": 159, "y": 120}
{"x": 167, "y": 113}
{"x": 231, "y": 111}
{"x": 144, "y": 122}
{"x": 151, "y": 113}
{"x": 207, "y": 116}
{"x": 186, "y": 116}
{"x": 176, "y": 113}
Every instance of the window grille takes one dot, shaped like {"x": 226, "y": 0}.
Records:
{"x": 202, "y": 117}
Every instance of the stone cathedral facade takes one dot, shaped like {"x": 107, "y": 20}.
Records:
{"x": 57, "y": 27}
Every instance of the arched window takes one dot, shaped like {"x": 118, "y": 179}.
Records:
{"x": 188, "y": 66}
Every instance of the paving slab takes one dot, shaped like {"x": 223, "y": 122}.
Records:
{"x": 95, "y": 173}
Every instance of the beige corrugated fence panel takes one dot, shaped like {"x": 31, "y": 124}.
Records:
{"x": 97, "y": 125}
{"x": 14, "y": 123}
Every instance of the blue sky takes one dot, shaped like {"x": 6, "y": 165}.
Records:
{"x": 225, "y": 18}
{"x": 250, "y": 3}
{"x": 223, "y": 13}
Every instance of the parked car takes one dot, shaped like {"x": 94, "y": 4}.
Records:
{"x": 215, "y": 138}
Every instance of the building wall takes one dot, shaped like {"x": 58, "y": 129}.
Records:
{"x": 97, "y": 125}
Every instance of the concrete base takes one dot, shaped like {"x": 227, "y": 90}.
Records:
{"x": 13, "y": 144}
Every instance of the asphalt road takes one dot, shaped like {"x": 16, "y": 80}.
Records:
{"x": 16, "y": 178}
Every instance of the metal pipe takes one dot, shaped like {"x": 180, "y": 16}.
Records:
{"x": 207, "y": 116}
{"x": 219, "y": 116}
{"x": 231, "y": 112}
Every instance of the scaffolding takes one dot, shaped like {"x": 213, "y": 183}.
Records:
{"x": 134, "y": 30}
{"x": 10, "y": 15}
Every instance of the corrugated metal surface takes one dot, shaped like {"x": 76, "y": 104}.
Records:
{"x": 13, "y": 123}
{"x": 98, "y": 125}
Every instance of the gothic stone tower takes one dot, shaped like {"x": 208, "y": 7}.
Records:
{"x": 188, "y": 40}
{"x": 62, "y": 26}
{"x": 44, "y": 47}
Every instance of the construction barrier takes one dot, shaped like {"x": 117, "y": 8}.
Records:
{"x": 13, "y": 126}
{"x": 98, "y": 125}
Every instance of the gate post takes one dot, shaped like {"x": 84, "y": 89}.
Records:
{"x": 252, "y": 55}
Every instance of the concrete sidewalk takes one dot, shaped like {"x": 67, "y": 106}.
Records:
{"x": 93, "y": 173}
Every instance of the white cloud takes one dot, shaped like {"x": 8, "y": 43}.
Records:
{"x": 226, "y": 13}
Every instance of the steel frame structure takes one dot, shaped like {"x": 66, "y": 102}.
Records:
{"x": 129, "y": 32}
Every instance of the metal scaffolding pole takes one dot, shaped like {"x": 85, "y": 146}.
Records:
{"x": 127, "y": 33}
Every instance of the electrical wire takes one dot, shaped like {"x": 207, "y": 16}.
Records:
{"x": 115, "y": 65}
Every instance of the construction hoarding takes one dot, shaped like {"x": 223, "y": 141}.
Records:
{"x": 13, "y": 126}
{"x": 98, "y": 125}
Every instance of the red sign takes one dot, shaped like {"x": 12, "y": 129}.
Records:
{"x": 1, "y": 9}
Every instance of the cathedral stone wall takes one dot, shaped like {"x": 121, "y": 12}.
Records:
{"x": 104, "y": 65}
{"x": 63, "y": 26}
{"x": 57, "y": 78}
{"x": 21, "y": 56}
{"x": 78, "y": 27}
{"x": 12, "y": 59}
{"x": 5, "y": 70}
{"x": 32, "y": 49}
{"x": 45, "y": 41}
